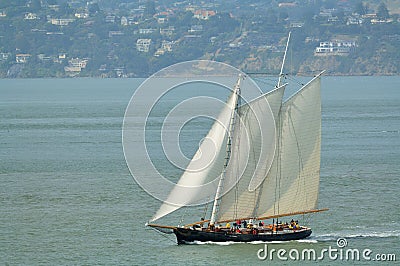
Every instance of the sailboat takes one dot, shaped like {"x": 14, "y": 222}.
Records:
{"x": 268, "y": 167}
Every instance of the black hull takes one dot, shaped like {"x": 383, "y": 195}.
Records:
{"x": 187, "y": 235}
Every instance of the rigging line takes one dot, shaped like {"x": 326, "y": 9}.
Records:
{"x": 206, "y": 208}
{"x": 183, "y": 216}
{"x": 258, "y": 192}
{"x": 306, "y": 218}
{"x": 235, "y": 206}
{"x": 255, "y": 202}
{"x": 311, "y": 72}
{"x": 295, "y": 80}
{"x": 239, "y": 114}
{"x": 256, "y": 163}
{"x": 280, "y": 143}
{"x": 300, "y": 164}
{"x": 163, "y": 235}
{"x": 265, "y": 77}
{"x": 278, "y": 158}
{"x": 291, "y": 60}
{"x": 269, "y": 82}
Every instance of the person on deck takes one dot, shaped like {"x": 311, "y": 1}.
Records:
{"x": 238, "y": 224}
{"x": 202, "y": 222}
{"x": 296, "y": 225}
{"x": 211, "y": 227}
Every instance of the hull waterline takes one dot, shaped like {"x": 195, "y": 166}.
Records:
{"x": 188, "y": 235}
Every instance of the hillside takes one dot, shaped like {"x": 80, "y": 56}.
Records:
{"x": 121, "y": 38}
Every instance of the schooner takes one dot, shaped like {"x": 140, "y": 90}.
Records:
{"x": 258, "y": 179}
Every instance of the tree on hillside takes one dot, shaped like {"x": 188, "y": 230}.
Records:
{"x": 360, "y": 8}
{"x": 382, "y": 11}
{"x": 8, "y": 3}
{"x": 150, "y": 9}
{"x": 65, "y": 9}
{"x": 35, "y": 5}
{"x": 93, "y": 8}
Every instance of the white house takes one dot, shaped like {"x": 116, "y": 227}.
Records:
{"x": 334, "y": 48}
{"x": 143, "y": 45}
{"x": 22, "y": 58}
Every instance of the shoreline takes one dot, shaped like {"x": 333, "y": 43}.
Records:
{"x": 252, "y": 74}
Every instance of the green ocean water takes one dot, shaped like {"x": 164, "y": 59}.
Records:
{"x": 67, "y": 196}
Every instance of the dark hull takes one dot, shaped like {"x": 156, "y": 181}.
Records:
{"x": 186, "y": 235}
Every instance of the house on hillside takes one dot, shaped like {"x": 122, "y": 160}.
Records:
{"x": 61, "y": 21}
{"x": 342, "y": 48}
{"x": 82, "y": 15}
{"x": 167, "y": 31}
{"x": 22, "y": 58}
{"x": 30, "y": 16}
{"x": 143, "y": 45}
{"x": 4, "y": 56}
{"x": 75, "y": 66}
{"x": 203, "y": 14}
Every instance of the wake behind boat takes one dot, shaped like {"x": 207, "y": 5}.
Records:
{"x": 268, "y": 167}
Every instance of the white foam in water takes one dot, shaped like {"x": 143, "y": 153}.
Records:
{"x": 326, "y": 237}
{"x": 377, "y": 234}
{"x": 232, "y": 242}
{"x": 334, "y": 236}
{"x": 212, "y": 243}
{"x": 264, "y": 242}
{"x": 307, "y": 241}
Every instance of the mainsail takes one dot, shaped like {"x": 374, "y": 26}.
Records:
{"x": 291, "y": 184}
{"x": 298, "y": 169}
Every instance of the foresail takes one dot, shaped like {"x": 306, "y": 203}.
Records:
{"x": 294, "y": 184}
{"x": 253, "y": 152}
{"x": 200, "y": 179}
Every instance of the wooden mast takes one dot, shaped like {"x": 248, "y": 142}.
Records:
{"x": 228, "y": 153}
{"x": 283, "y": 62}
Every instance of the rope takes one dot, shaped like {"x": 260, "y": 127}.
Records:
{"x": 183, "y": 216}
{"x": 267, "y": 81}
{"x": 163, "y": 234}
{"x": 295, "y": 80}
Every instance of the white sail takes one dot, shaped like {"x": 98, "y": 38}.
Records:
{"x": 292, "y": 182}
{"x": 252, "y": 156}
{"x": 200, "y": 179}
{"x": 298, "y": 164}
{"x": 275, "y": 160}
